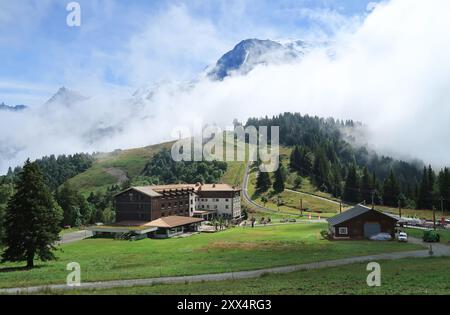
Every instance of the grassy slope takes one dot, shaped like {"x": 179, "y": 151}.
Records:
{"x": 234, "y": 174}
{"x": 131, "y": 162}
{"x": 292, "y": 202}
{"x": 407, "y": 276}
{"x": 231, "y": 250}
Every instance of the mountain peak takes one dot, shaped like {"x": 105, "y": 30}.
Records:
{"x": 16, "y": 108}
{"x": 66, "y": 97}
{"x": 249, "y": 53}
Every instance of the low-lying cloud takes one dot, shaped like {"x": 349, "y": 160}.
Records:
{"x": 390, "y": 70}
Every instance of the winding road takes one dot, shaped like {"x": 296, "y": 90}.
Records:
{"x": 249, "y": 200}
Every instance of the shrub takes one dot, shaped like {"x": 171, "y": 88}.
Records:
{"x": 431, "y": 236}
{"x": 325, "y": 234}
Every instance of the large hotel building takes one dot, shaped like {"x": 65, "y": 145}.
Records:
{"x": 205, "y": 201}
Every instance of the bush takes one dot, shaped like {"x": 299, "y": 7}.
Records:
{"x": 325, "y": 234}
{"x": 431, "y": 237}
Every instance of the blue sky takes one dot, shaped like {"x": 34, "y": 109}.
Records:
{"x": 124, "y": 44}
{"x": 388, "y": 58}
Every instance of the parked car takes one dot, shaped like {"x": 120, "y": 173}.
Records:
{"x": 381, "y": 237}
{"x": 402, "y": 237}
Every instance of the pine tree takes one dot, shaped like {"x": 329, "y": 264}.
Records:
{"x": 278, "y": 183}
{"x": 366, "y": 186}
{"x": 263, "y": 182}
{"x": 422, "y": 202}
{"x": 295, "y": 160}
{"x": 351, "y": 191}
{"x": 32, "y": 219}
{"x": 300, "y": 161}
{"x": 431, "y": 195}
{"x": 321, "y": 170}
{"x": 336, "y": 183}
{"x": 305, "y": 162}
{"x": 391, "y": 190}
{"x": 75, "y": 208}
{"x": 444, "y": 187}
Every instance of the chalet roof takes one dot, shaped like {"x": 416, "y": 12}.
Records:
{"x": 216, "y": 187}
{"x": 353, "y": 213}
{"x": 172, "y": 221}
{"x": 147, "y": 190}
{"x": 158, "y": 190}
{"x": 161, "y": 188}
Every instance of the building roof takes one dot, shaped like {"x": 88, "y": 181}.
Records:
{"x": 161, "y": 188}
{"x": 173, "y": 221}
{"x": 146, "y": 190}
{"x": 353, "y": 213}
{"x": 216, "y": 187}
{"x": 158, "y": 190}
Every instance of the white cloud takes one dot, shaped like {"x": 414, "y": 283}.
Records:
{"x": 172, "y": 43}
{"x": 391, "y": 72}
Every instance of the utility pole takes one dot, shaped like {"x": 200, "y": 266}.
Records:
{"x": 301, "y": 207}
{"x": 399, "y": 208}
{"x": 373, "y": 199}
{"x": 434, "y": 218}
{"x": 340, "y": 206}
{"x": 442, "y": 206}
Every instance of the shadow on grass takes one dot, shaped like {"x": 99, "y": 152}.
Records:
{"x": 23, "y": 268}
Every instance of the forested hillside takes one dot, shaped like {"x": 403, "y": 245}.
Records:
{"x": 323, "y": 153}
{"x": 314, "y": 148}
{"x": 84, "y": 185}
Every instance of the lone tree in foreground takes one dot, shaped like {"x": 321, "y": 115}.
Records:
{"x": 32, "y": 219}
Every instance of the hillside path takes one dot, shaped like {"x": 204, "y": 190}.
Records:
{"x": 249, "y": 200}
{"x": 75, "y": 236}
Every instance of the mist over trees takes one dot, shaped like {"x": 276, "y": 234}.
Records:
{"x": 322, "y": 151}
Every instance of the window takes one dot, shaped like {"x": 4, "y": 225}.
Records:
{"x": 343, "y": 231}
{"x": 226, "y": 200}
{"x": 226, "y": 207}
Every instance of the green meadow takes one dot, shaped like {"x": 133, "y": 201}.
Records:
{"x": 420, "y": 276}
{"x": 231, "y": 250}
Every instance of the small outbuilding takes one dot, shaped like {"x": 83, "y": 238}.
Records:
{"x": 361, "y": 222}
{"x": 173, "y": 226}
